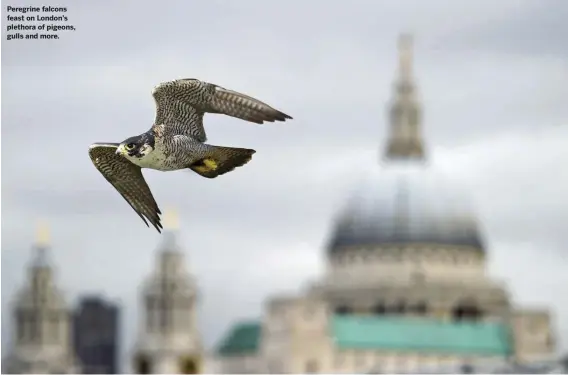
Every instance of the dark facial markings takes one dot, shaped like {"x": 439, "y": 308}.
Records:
{"x": 134, "y": 144}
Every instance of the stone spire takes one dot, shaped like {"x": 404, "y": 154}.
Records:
{"x": 169, "y": 340}
{"x": 41, "y": 323}
{"x": 405, "y": 139}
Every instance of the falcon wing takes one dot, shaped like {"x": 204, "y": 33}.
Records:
{"x": 128, "y": 180}
{"x": 182, "y": 103}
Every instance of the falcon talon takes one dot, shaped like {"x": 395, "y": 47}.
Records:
{"x": 210, "y": 164}
{"x": 176, "y": 141}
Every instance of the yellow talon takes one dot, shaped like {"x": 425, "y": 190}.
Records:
{"x": 210, "y": 164}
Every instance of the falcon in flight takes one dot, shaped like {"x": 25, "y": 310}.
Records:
{"x": 177, "y": 141}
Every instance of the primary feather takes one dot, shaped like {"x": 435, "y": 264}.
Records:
{"x": 128, "y": 180}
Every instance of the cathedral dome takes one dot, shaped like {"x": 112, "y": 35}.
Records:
{"x": 407, "y": 201}
{"x": 404, "y": 203}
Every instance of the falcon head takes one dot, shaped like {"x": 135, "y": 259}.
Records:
{"x": 136, "y": 147}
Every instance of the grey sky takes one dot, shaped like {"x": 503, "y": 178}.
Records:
{"x": 493, "y": 82}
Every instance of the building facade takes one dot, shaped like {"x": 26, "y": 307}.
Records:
{"x": 41, "y": 338}
{"x": 96, "y": 335}
{"x": 406, "y": 284}
{"x": 168, "y": 341}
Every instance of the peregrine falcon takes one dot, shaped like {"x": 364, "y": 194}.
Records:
{"x": 176, "y": 141}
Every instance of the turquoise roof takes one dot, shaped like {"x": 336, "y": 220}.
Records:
{"x": 392, "y": 333}
{"x": 416, "y": 334}
{"x": 243, "y": 338}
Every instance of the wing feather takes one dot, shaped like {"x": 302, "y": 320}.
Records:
{"x": 128, "y": 180}
{"x": 181, "y": 105}
{"x": 244, "y": 107}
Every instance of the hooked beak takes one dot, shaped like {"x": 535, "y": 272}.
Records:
{"x": 120, "y": 150}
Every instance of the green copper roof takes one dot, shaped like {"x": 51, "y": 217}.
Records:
{"x": 243, "y": 338}
{"x": 391, "y": 333}
{"x": 399, "y": 333}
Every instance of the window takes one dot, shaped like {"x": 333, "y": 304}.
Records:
{"x": 466, "y": 368}
{"x": 164, "y": 312}
{"x": 466, "y": 310}
{"x": 188, "y": 366}
{"x": 343, "y": 310}
{"x": 54, "y": 327}
{"x": 142, "y": 365}
{"x": 420, "y": 308}
{"x": 21, "y": 323}
{"x": 549, "y": 340}
{"x": 400, "y": 307}
{"x": 151, "y": 311}
{"x": 34, "y": 327}
{"x": 379, "y": 308}
{"x": 37, "y": 284}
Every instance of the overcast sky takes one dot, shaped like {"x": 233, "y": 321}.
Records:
{"x": 493, "y": 81}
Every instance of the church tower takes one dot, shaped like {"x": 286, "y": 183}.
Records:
{"x": 41, "y": 342}
{"x": 169, "y": 342}
{"x": 405, "y": 139}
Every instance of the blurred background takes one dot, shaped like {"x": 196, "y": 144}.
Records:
{"x": 411, "y": 216}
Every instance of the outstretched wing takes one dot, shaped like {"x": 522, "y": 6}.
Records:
{"x": 181, "y": 104}
{"x": 128, "y": 180}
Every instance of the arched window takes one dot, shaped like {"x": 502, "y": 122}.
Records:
{"x": 343, "y": 310}
{"x": 420, "y": 308}
{"x": 22, "y": 322}
{"x": 142, "y": 365}
{"x": 188, "y": 366}
{"x": 151, "y": 313}
{"x": 34, "y": 327}
{"x": 166, "y": 312}
{"x": 466, "y": 310}
{"x": 466, "y": 368}
{"x": 399, "y": 307}
{"x": 54, "y": 324}
{"x": 379, "y": 308}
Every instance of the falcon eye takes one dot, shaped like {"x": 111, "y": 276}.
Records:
{"x": 130, "y": 146}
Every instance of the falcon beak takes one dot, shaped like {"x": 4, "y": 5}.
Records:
{"x": 119, "y": 150}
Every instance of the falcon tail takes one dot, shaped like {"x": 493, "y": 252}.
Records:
{"x": 220, "y": 160}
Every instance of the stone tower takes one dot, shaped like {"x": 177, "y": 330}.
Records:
{"x": 169, "y": 341}
{"x": 41, "y": 342}
{"x": 405, "y": 141}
